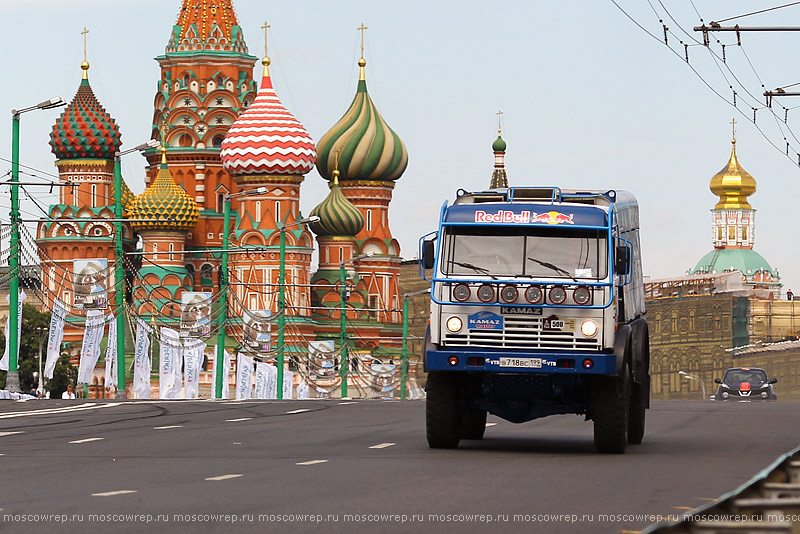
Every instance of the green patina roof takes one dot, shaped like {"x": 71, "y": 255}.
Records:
{"x": 747, "y": 261}
{"x": 337, "y": 215}
{"x": 499, "y": 145}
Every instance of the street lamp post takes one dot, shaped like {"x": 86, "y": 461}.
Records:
{"x": 119, "y": 275}
{"x": 343, "y": 317}
{"x": 697, "y": 378}
{"x": 12, "y": 379}
{"x": 282, "y": 298}
{"x": 223, "y": 282}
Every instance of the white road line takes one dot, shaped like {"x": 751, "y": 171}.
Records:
{"x": 312, "y": 462}
{"x": 167, "y": 427}
{"x": 56, "y": 411}
{"x": 383, "y": 445}
{"x": 223, "y": 477}
{"x": 346, "y": 403}
{"x": 490, "y": 424}
{"x": 10, "y": 433}
{"x": 238, "y": 420}
{"x": 87, "y": 440}
{"x": 299, "y": 411}
{"x": 113, "y": 493}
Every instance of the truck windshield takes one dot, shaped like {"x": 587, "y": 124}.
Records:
{"x": 529, "y": 252}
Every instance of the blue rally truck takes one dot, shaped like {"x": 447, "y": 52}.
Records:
{"x": 537, "y": 308}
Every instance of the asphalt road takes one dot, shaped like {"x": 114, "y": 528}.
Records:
{"x": 362, "y": 466}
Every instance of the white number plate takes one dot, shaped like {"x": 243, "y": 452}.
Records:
{"x": 530, "y": 363}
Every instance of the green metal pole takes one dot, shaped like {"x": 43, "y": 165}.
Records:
{"x": 404, "y": 356}
{"x": 223, "y": 283}
{"x": 281, "y": 311}
{"x": 119, "y": 278}
{"x": 343, "y": 329}
{"x": 12, "y": 379}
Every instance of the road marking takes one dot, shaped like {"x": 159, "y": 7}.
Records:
{"x": 299, "y": 411}
{"x": 346, "y": 403}
{"x": 55, "y": 411}
{"x": 10, "y": 433}
{"x": 312, "y": 462}
{"x": 167, "y": 427}
{"x": 238, "y": 420}
{"x": 490, "y": 424}
{"x": 87, "y": 440}
{"x": 223, "y": 477}
{"x": 382, "y": 445}
{"x": 113, "y": 493}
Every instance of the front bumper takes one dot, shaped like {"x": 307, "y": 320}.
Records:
{"x": 542, "y": 362}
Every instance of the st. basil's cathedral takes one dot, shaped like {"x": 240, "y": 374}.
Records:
{"x": 222, "y": 133}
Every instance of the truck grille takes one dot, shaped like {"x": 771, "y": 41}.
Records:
{"x": 520, "y": 333}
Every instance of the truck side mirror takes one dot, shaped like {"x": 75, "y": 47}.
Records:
{"x": 622, "y": 260}
{"x": 773, "y": 381}
{"x": 428, "y": 254}
{"x": 717, "y": 381}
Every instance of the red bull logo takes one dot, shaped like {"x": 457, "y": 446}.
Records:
{"x": 523, "y": 217}
{"x": 552, "y": 217}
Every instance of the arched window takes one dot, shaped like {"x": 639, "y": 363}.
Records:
{"x": 221, "y": 203}
{"x": 217, "y": 141}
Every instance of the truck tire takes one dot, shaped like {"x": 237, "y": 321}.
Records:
{"x": 473, "y": 424}
{"x": 636, "y": 415}
{"x": 611, "y": 411}
{"x": 442, "y": 414}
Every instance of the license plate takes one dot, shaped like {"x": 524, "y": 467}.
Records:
{"x": 529, "y": 363}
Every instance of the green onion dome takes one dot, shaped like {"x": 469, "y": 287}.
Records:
{"x": 337, "y": 215}
{"x": 163, "y": 200}
{"x": 367, "y": 149}
{"x": 85, "y": 130}
{"x": 499, "y": 144}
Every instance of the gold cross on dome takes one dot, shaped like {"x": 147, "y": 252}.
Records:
{"x": 499, "y": 122}
{"x": 266, "y": 28}
{"x": 85, "y": 32}
{"x": 361, "y": 29}
{"x": 733, "y": 123}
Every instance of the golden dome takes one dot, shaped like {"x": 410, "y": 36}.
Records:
{"x": 733, "y": 185}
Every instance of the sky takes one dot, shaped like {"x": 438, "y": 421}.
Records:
{"x": 589, "y": 99}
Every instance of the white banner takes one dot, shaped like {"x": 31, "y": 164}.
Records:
{"x": 225, "y": 372}
{"x": 54, "y": 338}
{"x": 111, "y": 353}
{"x": 303, "y": 390}
{"x": 170, "y": 359}
{"x": 263, "y": 371}
{"x": 192, "y": 361}
{"x": 141, "y": 361}
{"x": 4, "y": 361}
{"x": 244, "y": 377}
{"x": 90, "y": 349}
{"x": 288, "y": 384}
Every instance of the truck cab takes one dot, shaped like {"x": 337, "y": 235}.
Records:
{"x": 537, "y": 309}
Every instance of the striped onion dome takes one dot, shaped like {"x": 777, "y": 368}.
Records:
{"x": 163, "y": 200}
{"x": 367, "y": 149}
{"x": 337, "y": 216}
{"x": 267, "y": 139}
{"x": 127, "y": 194}
{"x": 85, "y": 130}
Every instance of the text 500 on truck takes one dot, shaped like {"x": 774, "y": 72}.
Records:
{"x": 537, "y": 309}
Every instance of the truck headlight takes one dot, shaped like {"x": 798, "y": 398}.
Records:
{"x": 454, "y": 324}
{"x": 589, "y": 328}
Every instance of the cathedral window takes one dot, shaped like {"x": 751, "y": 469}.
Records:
{"x": 720, "y": 233}
{"x": 341, "y": 254}
{"x": 731, "y": 233}
{"x": 369, "y": 220}
{"x": 171, "y": 250}
{"x": 94, "y": 195}
{"x": 744, "y": 233}
{"x": 155, "y": 250}
{"x": 217, "y": 141}
{"x": 278, "y": 211}
{"x": 258, "y": 211}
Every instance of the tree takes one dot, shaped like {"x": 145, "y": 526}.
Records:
{"x": 28, "y": 361}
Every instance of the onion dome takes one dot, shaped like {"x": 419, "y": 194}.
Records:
{"x": 499, "y": 144}
{"x": 267, "y": 139}
{"x": 747, "y": 261}
{"x": 367, "y": 148}
{"x": 499, "y": 176}
{"x": 163, "y": 200}
{"x": 337, "y": 215}
{"x": 204, "y": 27}
{"x": 733, "y": 185}
{"x": 85, "y": 130}
{"x": 127, "y": 194}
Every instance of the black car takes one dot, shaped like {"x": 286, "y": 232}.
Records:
{"x": 745, "y": 383}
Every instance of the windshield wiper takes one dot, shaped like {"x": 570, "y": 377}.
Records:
{"x": 479, "y": 270}
{"x": 553, "y": 268}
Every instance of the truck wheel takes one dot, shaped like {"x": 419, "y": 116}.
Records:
{"x": 611, "y": 410}
{"x": 473, "y": 424}
{"x": 442, "y": 414}
{"x": 636, "y": 415}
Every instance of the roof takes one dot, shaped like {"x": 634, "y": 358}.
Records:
{"x": 745, "y": 260}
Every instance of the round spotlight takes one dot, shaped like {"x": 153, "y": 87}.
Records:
{"x": 589, "y": 328}
{"x": 725, "y": 395}
{"x": 764, "y": 394}
{"x": 461, "y": 292}
{"x": 534, "y": 295}
{"x": 582, "y": 296}
{"x": 587, "y": 363}
{"x": 452, "y": 361}
{"x": 486, "y": 293}
{"x": 509, "y": 293}
{"x": 454, "y": 324}
{"x": 558, "y": 295}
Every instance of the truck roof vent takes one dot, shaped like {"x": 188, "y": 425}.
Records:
{"x": 527, "y": 194}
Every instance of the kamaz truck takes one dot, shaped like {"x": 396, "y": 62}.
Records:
{"x": 537, "y": 309}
